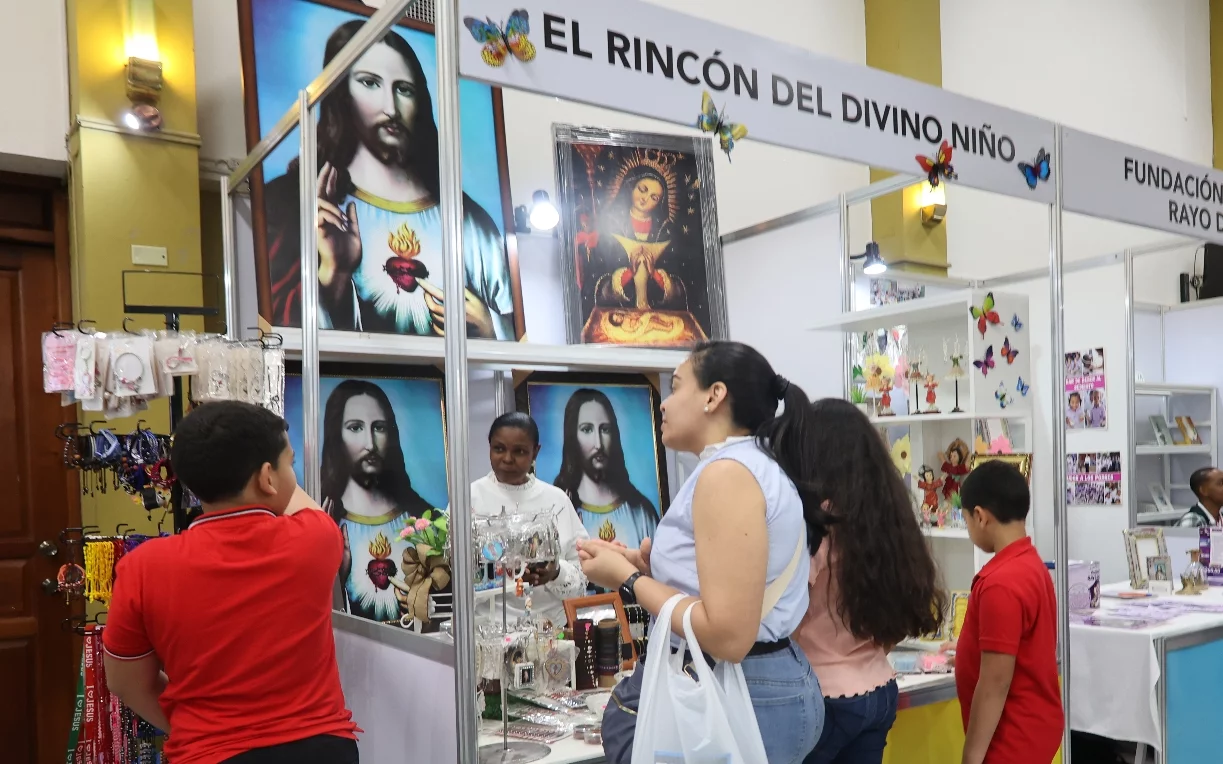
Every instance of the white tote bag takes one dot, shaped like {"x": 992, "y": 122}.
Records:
{"x": 711, "y": 721}
{"x": 684, "y": 721}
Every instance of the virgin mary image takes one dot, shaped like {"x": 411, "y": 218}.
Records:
{"x": 642, "y": 250}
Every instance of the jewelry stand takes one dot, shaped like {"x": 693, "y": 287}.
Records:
{"x": 173, "y": 314}
{"x": 518, "y": 751}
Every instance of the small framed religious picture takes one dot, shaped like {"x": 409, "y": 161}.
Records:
{"x": 642, "y": 258}
{"x": 1159, "y": 495}
{"x": 1159, "y": 574}
{"x": 1022, "y": 462}
{"x": 1189, "y": 431}
{"x": 1141, "y": 543}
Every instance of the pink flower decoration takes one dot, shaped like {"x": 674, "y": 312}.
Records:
{"x": 403, "y": 534}
{"x": 1000, "y": 445}
{"x": 421, "y": 524}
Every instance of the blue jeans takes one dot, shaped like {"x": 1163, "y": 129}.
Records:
{"x": 856, "y": 729}
{"x": 785, "y": 695}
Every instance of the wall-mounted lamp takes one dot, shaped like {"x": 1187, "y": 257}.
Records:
{"x": 933, "y": 203}
{"x": 144, "y": 72}
{"x": 542, "y": 215}
{"x": 873, "y": 264}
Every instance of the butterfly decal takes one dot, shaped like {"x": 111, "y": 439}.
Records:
{"x": 938, "y": 166}
{"x": 710, "y": 120}
{"x": 986, "y": 363}
{"x": 1016, "y": 324}
{"x": 1003, "y": 396}
{"x": 500, "y": 41}
{"x": 1008, "y": 352}
{"x": 985, "y": 314}
{"x": 1023, "y": 387}
{"x": 1038, "y": 171}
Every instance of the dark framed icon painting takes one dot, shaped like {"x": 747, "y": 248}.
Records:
{"x": 383, "y": 465}
{"x": 379, "y": 235}
{"x": 642, "y": 260}
{"x": 601, "y": 443}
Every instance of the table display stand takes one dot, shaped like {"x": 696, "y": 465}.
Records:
{"x": 1170, "y": 475}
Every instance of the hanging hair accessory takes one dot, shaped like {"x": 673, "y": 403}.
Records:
{"x": 781, "y": 386}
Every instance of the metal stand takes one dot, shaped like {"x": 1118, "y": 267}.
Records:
{"x": 173, "y": 314}
{"x": 957, "y": 409}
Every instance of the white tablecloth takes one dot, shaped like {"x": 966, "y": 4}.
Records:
{"x": 1114, "y": 672}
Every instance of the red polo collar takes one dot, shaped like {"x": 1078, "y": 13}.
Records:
{"x": 232, "y": 512}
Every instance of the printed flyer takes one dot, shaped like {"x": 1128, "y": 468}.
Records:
{"x": 1086, "y": 403}
{"x": 1093, "y": 479}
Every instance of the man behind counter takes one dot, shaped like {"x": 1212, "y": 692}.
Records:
{"x": 1207, "y": 485}
{"x": 221, "y": 636}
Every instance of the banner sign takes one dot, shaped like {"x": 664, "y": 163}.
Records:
{"x": 640, "y": 58}
{"x": 1117, "y": 181}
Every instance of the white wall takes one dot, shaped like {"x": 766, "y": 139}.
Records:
{"x": 218, "y": 80}
{"x": 1131, "y": 70}
{"x": 34, "y": 88}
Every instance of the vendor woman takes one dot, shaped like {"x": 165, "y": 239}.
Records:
{"x": 513, "y": 445}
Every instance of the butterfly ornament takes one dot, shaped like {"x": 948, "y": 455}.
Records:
{"x": 1016, "y": 324}
{"x": 1022, "y": 387}
{"x": 1008, "y": 352}
{"x": 986, "y": 363}
{"x": 710, "y": 120}
{"x": 1004, "y": 398}
{"x": 500, "y": 41}
{"x": 938, "y": 166}
{"x": 1038, "y": 171}
{"x": 985, "y": 314}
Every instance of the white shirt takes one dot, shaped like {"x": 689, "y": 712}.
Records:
{"x": 489, "y": 497}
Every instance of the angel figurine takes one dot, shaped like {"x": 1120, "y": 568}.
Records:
{"x": 931, "y": 385}
{"x": 954, "y": 467}
{"x": 930, "y": 504}
{"x": 885, "y": 398}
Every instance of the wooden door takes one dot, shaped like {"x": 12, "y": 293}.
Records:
{"x": 38, "y": 496}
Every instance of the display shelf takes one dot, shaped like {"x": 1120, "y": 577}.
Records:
{"x": 1167, "y": 389}
{"x": 1159, "y": 517}
{"x": 1154, "y": 450}
{"x": 953, "y": 305}
{"x": 361, "y": 347}
{"x": 911, "y": 419}
{"x": 946, "y": 533}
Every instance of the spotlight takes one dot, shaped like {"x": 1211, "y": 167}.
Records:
{"x": 544, "y": 215}
{"x": 131, "y": 121}
{"x": 873, "y": 264}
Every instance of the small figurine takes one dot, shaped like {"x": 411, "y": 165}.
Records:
{"x": 954, "y": 468}
{"x": 915, "y": 375}
{"x": 885, "y": 399}
{"x": 930, "y": 504}
{"x": 955, "y": 356}
{"x": 931, "y": 397}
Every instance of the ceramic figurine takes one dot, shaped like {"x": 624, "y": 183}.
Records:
{"x": 885, "y": 399}
{"x": 930, "y": 504}
{"x": 1193, "y": 580}
{"x": 931, "y": 385}
{"x": 954, "y": 468}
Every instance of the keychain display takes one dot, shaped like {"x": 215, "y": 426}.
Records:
{"x": 137, "y": 462}
{"x": 118, "y": 373}
{"x": 105, "y": 729}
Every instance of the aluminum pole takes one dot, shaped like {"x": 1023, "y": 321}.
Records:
{"x": 501, "y": 399}
{"x": 1131, "y": 435}
{"x": 308, "y": 181}
{"x": 847, "y": 275}
{"x": 453, "y": 283}
{"x": 1057, "y": 361}
{"x": 229, "y": 261}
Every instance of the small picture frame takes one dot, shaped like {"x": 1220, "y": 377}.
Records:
{"x": 523, "y": 675}
{"x": 1021, "y": 461}
{"x": 1159, "y": 574}
{"x": 1189, "y": 431}
{"x": 959, "y": 611}
{"x": 1141, "y": 543}
{"x": 1159, "y": 425}
{"x": 598, "y": 607}
{"x": 1159, "y": 494}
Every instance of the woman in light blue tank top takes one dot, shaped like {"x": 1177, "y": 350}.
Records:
{"x": 738, "y": 524}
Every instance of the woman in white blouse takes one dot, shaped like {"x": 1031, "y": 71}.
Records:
{"x": 513, "y": 445}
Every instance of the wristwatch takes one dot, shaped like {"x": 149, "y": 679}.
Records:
{"x": 627, "y": 595}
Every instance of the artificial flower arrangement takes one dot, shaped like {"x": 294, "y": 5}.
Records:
{"x": 426, "y": 567}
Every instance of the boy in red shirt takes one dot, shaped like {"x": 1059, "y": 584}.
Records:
{"x": 1006, "y": 657}
{"x": 221, "y": 636}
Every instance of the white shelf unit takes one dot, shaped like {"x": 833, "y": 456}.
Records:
{"x": 928, "y": 322}
{"x": 1171, "y": 465}
{"x": 362, "y": 347}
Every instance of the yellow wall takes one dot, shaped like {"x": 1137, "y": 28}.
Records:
{"x": 1216, "y": 77}
{"x": 904, "y": 37}
{"x": 131, "y": 189}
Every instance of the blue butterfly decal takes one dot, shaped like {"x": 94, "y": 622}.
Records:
{"x": 1038, "y": 171}
{"x": 1016, "y": 324}
{"x": 1023, "y": 387}
{"x": 1003, "y": 397}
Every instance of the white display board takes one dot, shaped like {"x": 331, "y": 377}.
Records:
{"x": 644, "y": 59}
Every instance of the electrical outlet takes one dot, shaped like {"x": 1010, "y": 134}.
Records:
{"x": 149, "y": 255}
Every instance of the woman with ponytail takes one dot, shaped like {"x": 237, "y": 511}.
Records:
{"x": 744, "y": 522}
{"x": 873, "y": 583}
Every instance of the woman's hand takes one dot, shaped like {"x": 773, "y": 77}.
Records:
{"x": 541, "y": 574}
{"x": 640, "y": 558}
{"x": 604, "y": 564}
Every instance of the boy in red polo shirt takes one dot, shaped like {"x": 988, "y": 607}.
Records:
{"x": 221, "y": 636}
{"x": 1006, "y": 657}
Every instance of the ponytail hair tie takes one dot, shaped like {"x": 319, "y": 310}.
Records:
{"x": 781, "y": 386}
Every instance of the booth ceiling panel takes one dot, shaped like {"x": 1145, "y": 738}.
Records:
{"x": 927, "y": 310}
{"x": 488, "y": 354}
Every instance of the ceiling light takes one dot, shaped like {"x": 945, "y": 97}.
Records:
{"x": 544, "y": 215}
{"x": 872, "y": 264}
